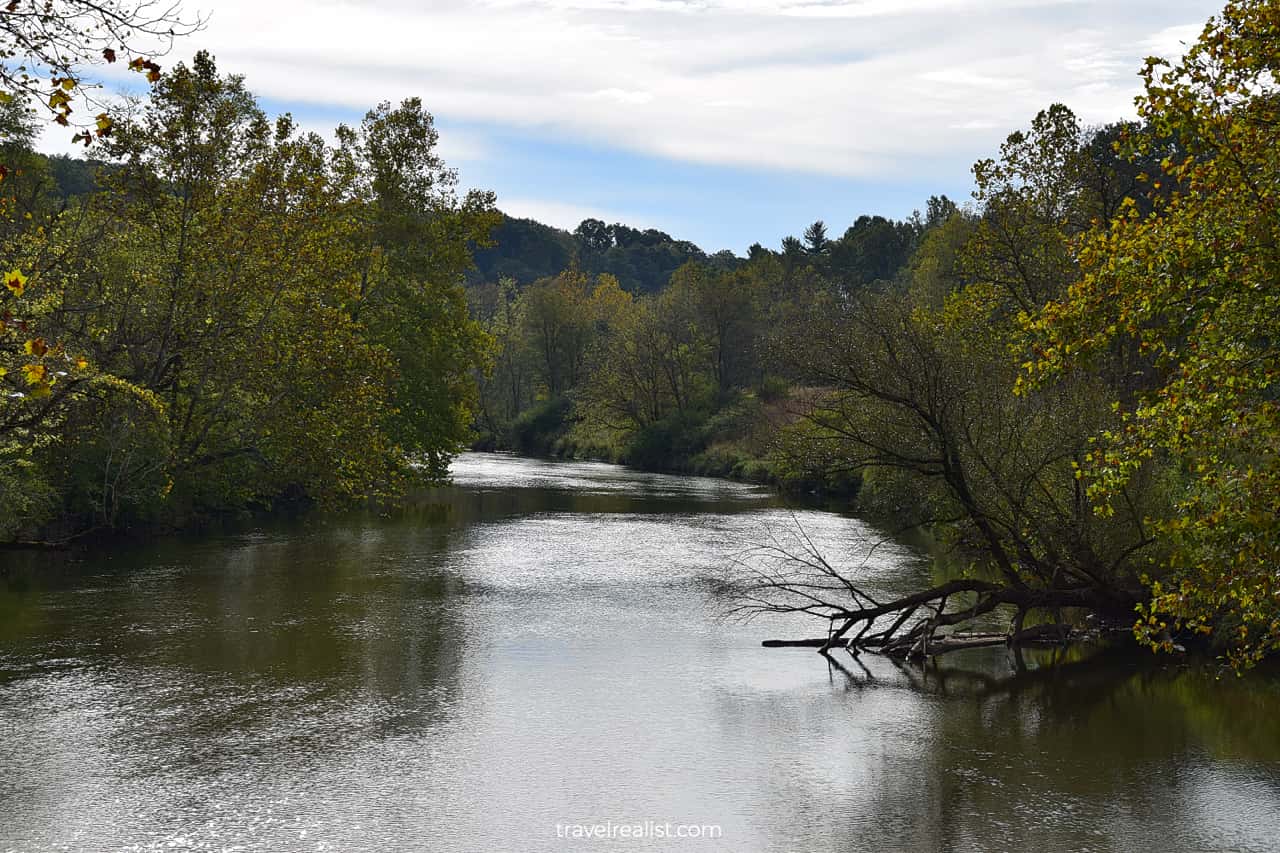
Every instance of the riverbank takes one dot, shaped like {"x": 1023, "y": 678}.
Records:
{"x": 736, "y": 441}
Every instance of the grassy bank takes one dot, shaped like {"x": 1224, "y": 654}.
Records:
{"x": 740, "y": 439}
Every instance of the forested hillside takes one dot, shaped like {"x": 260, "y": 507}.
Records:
{"x": 524, "y": 250}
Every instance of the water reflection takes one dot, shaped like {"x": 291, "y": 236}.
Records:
{"x": 542, "y": 647}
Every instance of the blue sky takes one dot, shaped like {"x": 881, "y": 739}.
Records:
{"x": 725, "y": 122}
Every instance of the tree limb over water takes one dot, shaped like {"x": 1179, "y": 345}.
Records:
{"x": 775, "y": 579}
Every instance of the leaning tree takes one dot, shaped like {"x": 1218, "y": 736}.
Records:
{"x": 915, "y": 385}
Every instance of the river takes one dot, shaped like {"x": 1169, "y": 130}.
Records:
{"x": 539, "y": 650}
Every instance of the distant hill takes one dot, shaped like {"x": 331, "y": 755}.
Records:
{"x": 642, "y": 260}
{"x": 873, "y": 248}
{"x": 524, "y": 250}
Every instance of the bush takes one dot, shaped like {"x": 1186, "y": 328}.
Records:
{"x": 538, "y": 430}
{"x": 668, "y": 444}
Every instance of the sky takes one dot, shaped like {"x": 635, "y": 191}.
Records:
{"x": 724, "y": 122}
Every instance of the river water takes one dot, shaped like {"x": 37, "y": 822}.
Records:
{"x": 542, "y": 647}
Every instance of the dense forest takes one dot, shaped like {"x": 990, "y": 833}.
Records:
{"x": 683, "y": 377}
{"x": 1072, "y": 377}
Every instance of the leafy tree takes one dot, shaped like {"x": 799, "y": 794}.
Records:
{"x": 74, "y": 177}
{"x": 938, "y": 210}
{"x": 724, "y": 260}
{"x": 44, "y": 48}
{"x": 593, "y": 236}
{"x": 224, "y": 301}
{"x": 641, "y": 260}
{"x": 232, "y": 313}
{"x": 1189, "y": 279}
{"x": 38, "y": 374}
{"x": 725, "y": 309}
{"x": 411, "y": 247}
{"x": 509, "y": 388}
{"x": 558, "y": 329}
{"x": 652, "y": 365}
{"x": 913, "y": 388}
{"x": 562, "y": 320}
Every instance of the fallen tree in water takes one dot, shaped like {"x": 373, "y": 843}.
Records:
{"x": 774, "y": 579}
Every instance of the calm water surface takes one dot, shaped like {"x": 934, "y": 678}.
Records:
{"x": 544, "y": 647}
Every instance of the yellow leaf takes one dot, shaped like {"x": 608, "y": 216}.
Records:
{"x": 34, "y": 373}
{"x": 16, "y": 282}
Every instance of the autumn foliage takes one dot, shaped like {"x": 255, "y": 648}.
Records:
{"x": 239, "y": 313}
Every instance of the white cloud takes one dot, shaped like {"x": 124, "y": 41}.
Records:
{"x": 561, "y": 214}
{"x": 844, "y": 87}
{"x": 1172, "y": 41}
{"x": 620, "y": 96}
{"x": 459, "y": 147}
{"x": 54, "y": 139}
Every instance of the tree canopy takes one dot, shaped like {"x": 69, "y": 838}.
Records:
{"x": 235, "y": 313}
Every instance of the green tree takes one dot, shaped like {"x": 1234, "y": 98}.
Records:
{"x": 412, "y": 249}
{"x": 815, "y": 238}
{"x": 559, "y": 329}
{"x": 872, "y": 249}
{"x": 653, "y": 364}
{"x": 266, "y": 316}
{"x": 912, "y": 387}
{"x": 1188, "y": 278}
{"x": 726, "y": 312}
{"x": 508, "y": 389}
{"x": 215, "y": 279}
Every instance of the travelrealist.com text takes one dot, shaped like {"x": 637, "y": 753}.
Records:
{"x": 637, "y": 829}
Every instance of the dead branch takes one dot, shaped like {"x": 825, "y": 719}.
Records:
{"x": 773, "y": 579}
